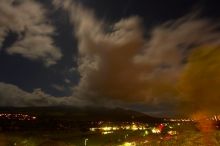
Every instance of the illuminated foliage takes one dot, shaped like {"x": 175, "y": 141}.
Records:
{"x": 200, "y": 82}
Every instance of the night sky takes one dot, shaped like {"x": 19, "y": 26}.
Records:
{"x": 150, "y": 56}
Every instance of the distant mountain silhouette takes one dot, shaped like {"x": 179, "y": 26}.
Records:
{"x": 83, "y": 114}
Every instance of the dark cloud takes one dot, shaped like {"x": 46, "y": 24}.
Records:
{"x": 58, "y": 87}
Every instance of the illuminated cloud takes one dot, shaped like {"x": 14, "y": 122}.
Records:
{"x": 177, "y": 64}
{"x": 12, "y": 95}
{"x": 27, "y": 18}
{"x": 106, "y": 58}
{"x": 116, "y": 62}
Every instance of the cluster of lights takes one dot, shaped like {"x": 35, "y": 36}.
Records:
{"x": 156, "y": 130}
{"x": 128, "y": 144}
{"x": 20, "y": 117}
{"x": 133, "y": 143}
{"x": 179, "y": 120}
{"x": 171, "y": 132}
{"x": 133, "y": 127}
{"x": 107, "y": 132}
{"x": 213, "y": 118}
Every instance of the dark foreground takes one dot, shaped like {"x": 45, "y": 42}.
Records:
{"x": 91, "y": 127}
{"x": 183, "y": 135}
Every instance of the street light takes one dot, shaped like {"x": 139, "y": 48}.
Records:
{"x": 86, "y": 141}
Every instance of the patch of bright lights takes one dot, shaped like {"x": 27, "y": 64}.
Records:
{"x": 106, "y": 128}
{"x": 107, "y": 132}
{"x": 129, "y": 144}
{"x": 156, "y": 130}
{"x": 172, "y": 132}
{"x": 134, "y": 127}
{"x": 146, "y": 133}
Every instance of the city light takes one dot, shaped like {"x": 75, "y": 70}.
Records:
{"x": 128, "y": 144}
{"x": 134, "y": 126}
{"x": 172, "y": 132}
{"x": 17, "y": 116}
{"x": 156, "y": 130}
{"x": 107, "y": 132}
{"x": 106, "y": 128}
{"x": 146, "y": 133}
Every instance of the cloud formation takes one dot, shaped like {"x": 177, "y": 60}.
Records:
{"x": 119, "y": 66}
{"x": 116, "y": 62}
{"x": 27, "y": 18}
{"x": 12, "y": 95}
